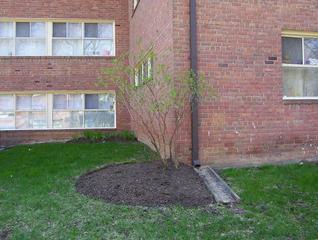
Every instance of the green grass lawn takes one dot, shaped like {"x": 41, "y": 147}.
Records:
{"x": 38, "y": 200}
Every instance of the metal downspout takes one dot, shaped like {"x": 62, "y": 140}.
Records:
{"x": 194, "y": 100}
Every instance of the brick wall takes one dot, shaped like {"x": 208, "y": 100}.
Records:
{"x": 239, "y": 53}
{"x": 60, "y": 73}
{"x": 151, "y": 30}
{"x": 181, "y": 40}
{"x": 248, "y": 122}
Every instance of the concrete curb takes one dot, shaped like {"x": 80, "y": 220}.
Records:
{"x": 220, "y": 190}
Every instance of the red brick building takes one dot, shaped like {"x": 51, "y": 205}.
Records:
{"x": 261, "y": 57}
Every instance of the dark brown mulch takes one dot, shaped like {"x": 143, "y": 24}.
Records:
{"x": 146, "y": 184}
{"x": 4, "y": 235}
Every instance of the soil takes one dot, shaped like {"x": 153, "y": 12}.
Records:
{"x": 146, "y": 184}
{"x": 4, "y": 235}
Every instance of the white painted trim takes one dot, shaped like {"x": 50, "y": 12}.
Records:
{"x": 56, "y": 129}
{"x": 49, "y": 38}
{"x": 49, "y": 108}
{"x": 299, "y": 65}
{"x": 303, "y": 50}
{"x": 114, "y": 39}
{"x": 299, "y": 98}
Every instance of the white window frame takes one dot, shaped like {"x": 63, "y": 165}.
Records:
{"x": 49, "y": 110}
{"x": 49, "y": 35}
{"x": 301, "y": 36}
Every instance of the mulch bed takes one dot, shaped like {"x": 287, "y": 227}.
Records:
{"x": 146, "y": 184}
{"x": 4, "y": 235}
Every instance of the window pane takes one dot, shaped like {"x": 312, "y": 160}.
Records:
{"x": 68, "y": 119}
{"x": 39, "y": 102}
{"x": 99, "y": 119}
{"x": 6, "y": 47}
{"x": 22, "y": 120}
{"x": 23, "y": 29}
{"x": 99, "y": 101}
{"x": 140, "y": 74}
{"x": 136, "y": 3}
{"x": 60, "y": 101}
{"x": 6, "y": 29}
{"x": 67, "y": 47}
{"x": 31, "y": 102}
{"x": 91, "y": 30}
{"x": 292, "y": 50}
{"x": 24, "y": 102}
{"x": 145, "y": 70}
{"x": 75, "y": 101}
{"x": 106, "y": 101}
{"x": 39, "y": 120}
{"x": 311, "y": 51}
{"x": 6, "y": 103}
{"x": 300, "y": 82}
{"x": 30, "y": 47}
{"x": 59, "y": 29}
{"x": 31, "y": 120}
{"x": 91, "y": 101}
{"x": 150, "y": 67}
{"x": 105, "y": 30}
{"x": 38, "y": 29}
{"x": 98, "y": 47}
{"x": 74, "y": 30}
{"x": 7, "y": 120}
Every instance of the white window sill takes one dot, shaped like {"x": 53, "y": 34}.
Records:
{"x": 300, "y": 65}
{"x": 47, "y": 56}
{"x": 57, "y": 129}
{"x": 300, "y": 98}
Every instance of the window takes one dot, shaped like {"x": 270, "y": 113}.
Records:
{"x": 6, "y": 39}
{"x": 30, "y": 39}
{"x": 67, "y": 39}
{"x": 136, "y": 2}
{"x": 99, "y": 111}
{"x": 57, "y": 39}
{"x": 144, "y": 71}
{"x": 57, "y": 111}
{"x": 31, "y": 111}
{"x": 300, "y": 66}
{"x": 88, "y": 39}
{"x": 7, "y": 116}
{"x": 68, "y": 111}
{"x": 98, "y": 39}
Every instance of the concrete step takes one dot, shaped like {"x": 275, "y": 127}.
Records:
{"x": 217, "y": 186}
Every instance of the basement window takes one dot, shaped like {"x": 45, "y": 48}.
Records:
{"x": 57, "y": 111}
{"x": 300, "y": 67}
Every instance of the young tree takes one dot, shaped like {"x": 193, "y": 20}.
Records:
{"x": 156, "y": 101}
